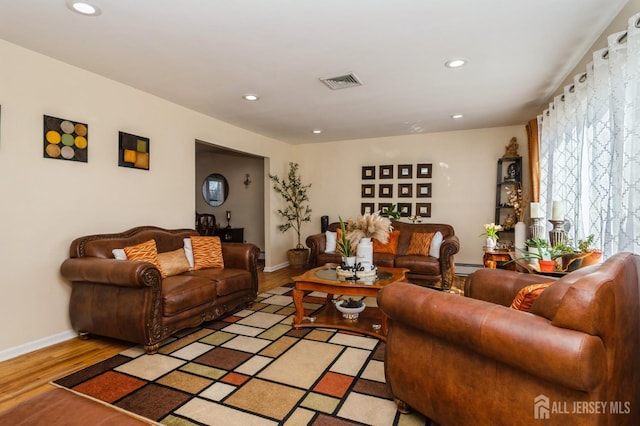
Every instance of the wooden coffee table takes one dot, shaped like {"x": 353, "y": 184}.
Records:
{"x": 371, "y": 321}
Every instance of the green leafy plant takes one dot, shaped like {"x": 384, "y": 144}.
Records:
{"x": 391, "y": 212}
{"x": 294, "y": 193}
{"x": 586, "y": 245}
{"x": 345, "y": 248}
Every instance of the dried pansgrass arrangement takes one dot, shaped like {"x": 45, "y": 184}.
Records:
{"x": 369, "y": 225}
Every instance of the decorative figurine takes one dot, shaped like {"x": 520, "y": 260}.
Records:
{"x": 511, "y": 150}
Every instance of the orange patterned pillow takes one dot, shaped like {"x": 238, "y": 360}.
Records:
{"x": 145, "y": 252}
{"x": 420, "y": 243}
{"x": 392, "y": 244}
{"x": 526, "y": 296}
{"x": 207, "y": 252}
{"x": 173, "y": 262}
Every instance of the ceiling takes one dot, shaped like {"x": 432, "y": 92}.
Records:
{"x": 206, "y": 54}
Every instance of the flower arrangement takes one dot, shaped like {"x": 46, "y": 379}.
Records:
{"x": 517, "y": 201}
{"x": 369, "y": 225}
{"x": 491, "y": 230}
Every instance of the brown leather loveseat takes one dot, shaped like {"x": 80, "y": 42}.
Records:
{"x": 130, "y": 299}
{"x": 574, "y": 358}
{"x": 423, "y": 270}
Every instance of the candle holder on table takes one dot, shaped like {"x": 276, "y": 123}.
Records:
{"x": 557, "y": 234}
{"x": 536, "y": 229}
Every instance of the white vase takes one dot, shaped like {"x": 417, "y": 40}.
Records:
{"x": 490, "y": 243}
{"x": 365, "y": 253}
{"x": 349, "y": 261}
{"x": 520, "y": 236}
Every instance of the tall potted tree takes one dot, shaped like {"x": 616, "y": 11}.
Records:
{"x": 297, "y": 210}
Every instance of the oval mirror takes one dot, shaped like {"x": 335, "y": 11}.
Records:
{"x": 215, "y": 189}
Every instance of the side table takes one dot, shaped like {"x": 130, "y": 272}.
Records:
{"x": 497, "y": 259}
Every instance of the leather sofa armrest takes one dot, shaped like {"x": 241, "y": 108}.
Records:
{"x": 450, "y": 246}
{"x": 518, "y": 339}
{"x": 499, "y": 286}
{"x": 240, "y": 255}
{"x": 125, "y": 273}
{"x": 243, "y": 256}
{"x": 318, "y": 244}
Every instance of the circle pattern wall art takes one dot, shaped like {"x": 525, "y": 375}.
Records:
{"x": 65, "y": 139}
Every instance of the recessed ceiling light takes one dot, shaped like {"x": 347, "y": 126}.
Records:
{"x": 84, "y": 8}
{"x": 316, "y": 131}
{"x": 457, "y": 116}
{"x": 251, "y": 97}
{"x": 455, "y": 63}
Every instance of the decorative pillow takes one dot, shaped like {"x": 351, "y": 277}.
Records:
{"x": 392, "y": 244}
{"x": 526, "y": 296}
{"x": 119, "y": 254}
{"x": 146, "y": 252}
{"x": 207, "y": 252}
{"x": 188, "y": 251}
{"x": 173, "y": 262}
{"x": 420, "y": 243}
{"x": 332, "y": 238}
{"x": 436, "y": 242}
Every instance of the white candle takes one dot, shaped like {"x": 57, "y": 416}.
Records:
{"x": 557, "y": 210}
{"x": 535, "y": 210}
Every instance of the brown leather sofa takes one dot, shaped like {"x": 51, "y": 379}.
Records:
{"x": 423, "y": 270}
{"x": 129, "y": 300}
{"x": 573, "y": 359}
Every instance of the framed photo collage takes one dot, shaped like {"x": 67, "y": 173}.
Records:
{"x": 400, "y": 184}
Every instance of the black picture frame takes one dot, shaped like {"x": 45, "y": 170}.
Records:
{"x": 367, "y": 208}
{"x": 368, "y": 172}
{"x": 368, "y": 191}
{"x": 386, "y": 172}
{"x": 382, "y": 206}
{"x": 405, "y": 171}
{"x": 405, "y": 190}
{"x": 424, "y": 170}
{"x": 385, "y": 190}
{"x": 423, "y": 190}
{"x": 404, "y": 209}
{"x": 423, "y": 209}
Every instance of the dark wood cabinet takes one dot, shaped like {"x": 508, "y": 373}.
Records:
{"x": 230, "y": 235}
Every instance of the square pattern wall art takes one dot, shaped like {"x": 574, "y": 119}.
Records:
{"x": 133, "y": 151}
{"x": 401, "y": 185}
{"x": 65, "y": 139}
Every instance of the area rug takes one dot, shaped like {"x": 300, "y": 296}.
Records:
{"x": 252, "y": 368}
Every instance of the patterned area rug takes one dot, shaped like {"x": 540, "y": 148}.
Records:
{"x": 252, "y": 368}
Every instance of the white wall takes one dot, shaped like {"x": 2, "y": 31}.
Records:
{"x": 46, "y": 202}
{"x": 463, "y": 182}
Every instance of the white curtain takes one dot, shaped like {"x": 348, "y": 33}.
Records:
{"x": 590, "y": 147}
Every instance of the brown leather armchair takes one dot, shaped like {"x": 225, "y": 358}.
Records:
{"x": 573, "y": 359}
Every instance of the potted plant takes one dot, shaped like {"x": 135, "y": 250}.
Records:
{"x": 391, "y": 212}
{"x": 491, "y": 232}
{"x": 592, "y": 255}
{"x": 297, "y": 210}
{"x": 344, "y": 246}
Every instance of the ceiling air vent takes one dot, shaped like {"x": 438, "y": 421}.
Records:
{"x": 342, "y": 82}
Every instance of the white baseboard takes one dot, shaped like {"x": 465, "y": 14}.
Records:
{"x": 276, "y": 267}
{"x": 36, "y": 344}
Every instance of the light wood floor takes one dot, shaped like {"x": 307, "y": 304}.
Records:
{"x": 28, "y": 375}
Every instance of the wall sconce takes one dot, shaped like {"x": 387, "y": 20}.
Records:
{"x": 247, "y": 180}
